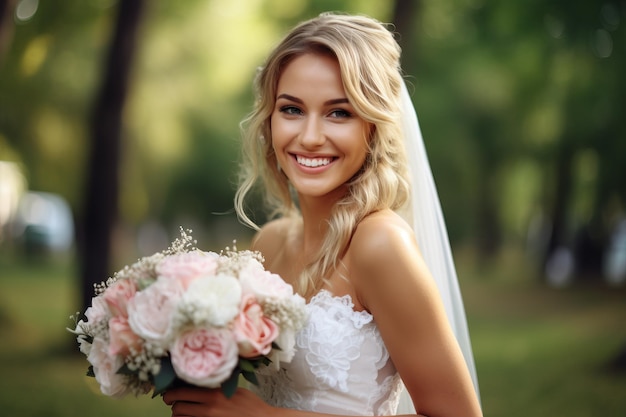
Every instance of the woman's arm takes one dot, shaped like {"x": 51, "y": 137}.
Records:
{"x": 395, "y": 286}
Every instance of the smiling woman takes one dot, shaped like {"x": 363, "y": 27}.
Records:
{"x": 326, "y": 140}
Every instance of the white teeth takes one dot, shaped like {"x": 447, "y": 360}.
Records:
{"x": 313, "y": 162}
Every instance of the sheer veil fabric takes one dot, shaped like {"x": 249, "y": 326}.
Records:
{"x": 426, "y": 218}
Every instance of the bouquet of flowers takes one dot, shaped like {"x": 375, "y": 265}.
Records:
{"x": 188, "y": 316}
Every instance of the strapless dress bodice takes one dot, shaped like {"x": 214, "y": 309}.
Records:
{"x": 341, "y": 365}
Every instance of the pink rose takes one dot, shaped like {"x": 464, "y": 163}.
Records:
{"x": 122, "y": 338}
{"x": 189, "y": 266}
{"x": 105, "y": 368}
{"x": 253, "y": 331}
{"x": 150, "y": 312}
{"x": 204, "y": 357}
{"x": 118, "y": 295}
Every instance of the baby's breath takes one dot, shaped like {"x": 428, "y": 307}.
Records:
{"x": 285, "y": 313}
{"x": 78, "y": 324}
{"x": 146, "y": 362}
{"x": 182, "y": 244}
{"x": 232, "y": 261}
{"x": 101, "y": 287}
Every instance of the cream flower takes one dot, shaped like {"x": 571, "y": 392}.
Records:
{"x": 212, "y": 301}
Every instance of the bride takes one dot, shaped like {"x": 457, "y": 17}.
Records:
{"x": 326, "y": 139}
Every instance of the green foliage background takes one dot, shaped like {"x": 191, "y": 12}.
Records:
{"x": 509, "y": 94}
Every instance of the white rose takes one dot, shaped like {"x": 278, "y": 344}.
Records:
{"x": 98, "y": 310}
{"x": 105, "y": 368}
{"x": 213, "y": 300}
{"x": 263, "y": 284}
{"x": 150, "y": 311}
{"x": 286, "y": 341}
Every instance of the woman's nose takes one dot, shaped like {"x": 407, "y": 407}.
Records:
{"x": 312, "y": 135}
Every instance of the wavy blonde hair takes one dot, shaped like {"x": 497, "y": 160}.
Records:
{"x": 369, "y": 61}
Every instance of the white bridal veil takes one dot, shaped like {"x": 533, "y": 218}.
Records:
{"x": 426, "y": 217}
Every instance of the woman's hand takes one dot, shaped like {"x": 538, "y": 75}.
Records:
{"x": 204, "y": 402}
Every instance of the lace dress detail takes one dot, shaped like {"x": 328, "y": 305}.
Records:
{"x": 341, "y": 365}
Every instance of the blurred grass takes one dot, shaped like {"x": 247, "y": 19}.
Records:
{"x": 542, "y": 351}
{"x": 539, "y": 351}
{"x": 42, "y": 375}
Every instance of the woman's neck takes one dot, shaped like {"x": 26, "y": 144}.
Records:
{"x": 316, "y": 212}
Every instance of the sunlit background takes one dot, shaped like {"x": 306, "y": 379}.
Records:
{"x": 522, "y": 107}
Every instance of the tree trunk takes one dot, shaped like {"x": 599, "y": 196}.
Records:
{"x": 7, "y": 8}
{"x": 560, "y": 205}
{"x": 617, "y": 363}
{"x": 101, "y": 194}
{"x": 489, "y": 237}
{"x": 490, "y": 160}
{"x": 405, "y": 14}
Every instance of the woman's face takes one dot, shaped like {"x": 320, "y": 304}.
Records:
{"x": 319, "y": 140}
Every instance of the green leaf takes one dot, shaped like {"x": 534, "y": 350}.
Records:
{"x": 229, "y": 387}
{"x": 165, "y": 378}
{"x": 250, "y": 377}
{"x": 247, "y": 365}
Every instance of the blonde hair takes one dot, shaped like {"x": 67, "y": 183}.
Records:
{"x": 369, "y": 61}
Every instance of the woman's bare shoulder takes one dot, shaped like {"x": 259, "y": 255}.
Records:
{"x": 273, "y": 236}
{"x": 381, "y": 232}
{"x": 385, "y": 255}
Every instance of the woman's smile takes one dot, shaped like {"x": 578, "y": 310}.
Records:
{"x": 313, "y": 162}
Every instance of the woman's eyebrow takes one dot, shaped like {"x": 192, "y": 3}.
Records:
{"x": 290, "y": 98}
{"x": 328, "y": 102}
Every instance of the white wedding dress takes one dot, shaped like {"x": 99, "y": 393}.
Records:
{"x": 341, "y": 365}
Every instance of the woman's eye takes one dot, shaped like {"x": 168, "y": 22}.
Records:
{"x": 291, "y": 110}
{"x": 340, "y": 113}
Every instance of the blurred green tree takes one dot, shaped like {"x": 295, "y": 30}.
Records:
{"x": 100, "y": 213}
{"x": 522, "y": 104}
